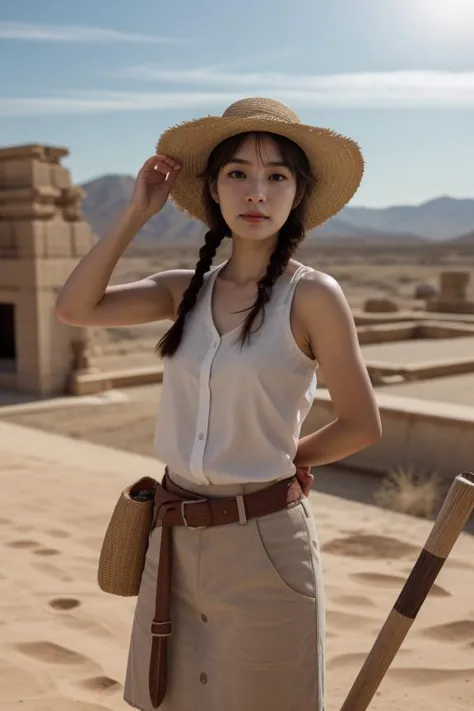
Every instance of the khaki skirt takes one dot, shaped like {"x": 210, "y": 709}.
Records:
{"x": 247, "y": 611}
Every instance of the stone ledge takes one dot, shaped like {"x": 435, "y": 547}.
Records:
{"x": 49, "y": 446}
{"x": 420, "y": 371}
{"x": 89, "y": 383}
{"x": 429, "y": 436}
{"x": 37, "y": 193}
{"x": 430, "y": 409}
{"x": 363, "y": 318}
{"x": 34, "y": 150}
{"x": 385, "y": 373}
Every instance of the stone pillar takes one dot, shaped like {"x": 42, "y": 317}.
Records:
{"x": 380, "y": 305}
{"x": 454, "y": 286}
{"x": 452, "y": 297}
{"x": 42, "y": 236}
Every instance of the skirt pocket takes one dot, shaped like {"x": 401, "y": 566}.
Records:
{"x": 287, "y": 546}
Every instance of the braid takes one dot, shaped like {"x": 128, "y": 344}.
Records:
{"x": 290, "y": 236}
{"x": 169, "y": 343}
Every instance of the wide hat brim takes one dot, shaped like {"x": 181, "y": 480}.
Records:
{"x": 336, "y": 161}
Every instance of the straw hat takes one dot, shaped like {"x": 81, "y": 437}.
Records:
{"x": 336, "y": 161}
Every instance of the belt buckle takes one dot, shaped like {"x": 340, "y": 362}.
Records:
{"x": 183, "y": 514}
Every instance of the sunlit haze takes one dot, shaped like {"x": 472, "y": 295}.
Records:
{"x": 105, "y": 80}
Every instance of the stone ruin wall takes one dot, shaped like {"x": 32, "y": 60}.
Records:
{"x": 43, "y": 234}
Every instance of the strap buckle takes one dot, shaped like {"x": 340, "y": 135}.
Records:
{"x": 183, "y": 513}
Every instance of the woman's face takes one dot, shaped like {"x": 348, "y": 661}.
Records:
{"x": 255, "y": 190}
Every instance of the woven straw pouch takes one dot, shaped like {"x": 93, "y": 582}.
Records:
{"x": 122, "y": 557}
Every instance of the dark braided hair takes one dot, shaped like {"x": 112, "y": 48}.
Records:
{"x": 169, "y": 343}
{"x": 289, "y": 237}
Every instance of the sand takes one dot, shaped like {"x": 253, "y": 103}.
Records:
{"x": 63, "y": 643}
{"x": 393, "y": 272}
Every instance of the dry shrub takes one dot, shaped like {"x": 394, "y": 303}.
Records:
{"x": 403, "y": 491}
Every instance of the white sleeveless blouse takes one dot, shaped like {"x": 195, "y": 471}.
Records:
{"x": 229, "y": 415}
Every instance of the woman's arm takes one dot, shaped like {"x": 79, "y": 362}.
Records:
{"x": 332, "y": 335}
{"x": 86, "y": 299}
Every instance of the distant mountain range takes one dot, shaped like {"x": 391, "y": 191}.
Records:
{"x": 437, "y": 220}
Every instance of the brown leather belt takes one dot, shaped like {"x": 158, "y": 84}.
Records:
{"x": 176, "y": 507}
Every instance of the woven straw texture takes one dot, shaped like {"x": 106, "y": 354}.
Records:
{"x": 125, "y": 543}
{"x": 336, "y": 161}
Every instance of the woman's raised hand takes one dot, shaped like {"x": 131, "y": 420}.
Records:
{"x": 153, "y": 184}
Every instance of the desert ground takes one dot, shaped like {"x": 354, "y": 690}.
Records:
{"x": 63, "y": 643}
{"x": 364, "y": 272}
{"x": 126, "y": 420}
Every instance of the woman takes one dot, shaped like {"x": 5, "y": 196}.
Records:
{"x": 246, "y": 627}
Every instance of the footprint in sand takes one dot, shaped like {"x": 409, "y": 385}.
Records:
{"x": 458, "y": 564}
{"x": 86, "y": 522}
{"x": 62, "y": 704}
{"x": 355, "y": 659}
{"x": 46, "y": 551}
{"x": 453, "y": 564}
{"x": 456, "y": 631}
{"x": 348, "y": 621}
{"x": 103, "y": 684}
{"x": 26, "y": 544}
{"x": 429, "y": 676}
{"x": 92, "y": 542}
{"x": 91, "y": 559}
{"x": 82, "y": 623}
{"x": 58, "y": 533}
{"x": 5, "y": 521}
{"x": 52, "y": 571}
{"x": 50, "y": 653}
{"x": 20, "y": 682}
{"x": 352, "y": 659}
{"x": 356, "y": 600}
{"x": 381, "y": 580}
{"x": 64, "y": 603}
{"x": 86, "y": 624}
{"x": 369, "y": 546}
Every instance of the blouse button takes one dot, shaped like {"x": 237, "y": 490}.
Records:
{"x": 201, "y": 435}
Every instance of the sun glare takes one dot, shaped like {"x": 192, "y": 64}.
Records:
{"x": 443, "y": 17}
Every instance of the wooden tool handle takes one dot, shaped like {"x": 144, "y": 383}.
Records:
{"x": 449, "y": 523}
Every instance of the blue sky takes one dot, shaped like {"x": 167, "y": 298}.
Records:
{"x": 104, "y": 79}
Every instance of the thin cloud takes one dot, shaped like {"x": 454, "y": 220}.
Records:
{"x": 408, "y": 90}
{"x": 108, "y": 102}
{"x": 367, "y": 89}
{"x": 73, "y": 33}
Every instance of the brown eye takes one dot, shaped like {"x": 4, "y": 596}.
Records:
{"x": 278, "y": 177}
{"x": 236, "y": 174}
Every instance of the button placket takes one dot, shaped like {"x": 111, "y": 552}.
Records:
{"x": 204, "y": 404}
